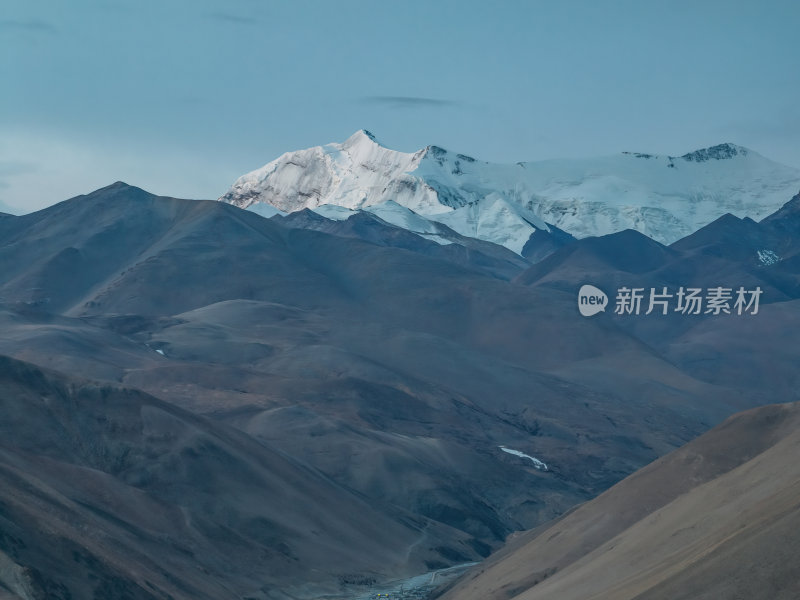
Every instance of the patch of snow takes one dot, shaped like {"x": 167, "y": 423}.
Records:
{"x": 768, "y": 257}
{"x": 536, "y": 462}
{"x": 391, "y": 213}
{"x": 400, "y": 216}
{"x": 436, "y": 238}
{"x": 496, "y": 220}
{"x": 333, "y": 212}
{"x": 265, "y": 210}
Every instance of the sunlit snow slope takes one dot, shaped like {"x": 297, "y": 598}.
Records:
{"x": 663, "y": 197}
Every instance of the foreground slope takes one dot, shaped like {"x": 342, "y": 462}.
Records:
{"x": 718, "y": 518}
{"x": 106, "y": 492}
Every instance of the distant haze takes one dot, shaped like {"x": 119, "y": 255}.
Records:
{"x": 183, "y": 97}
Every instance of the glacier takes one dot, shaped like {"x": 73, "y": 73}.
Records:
{"x": 663, "y": 197}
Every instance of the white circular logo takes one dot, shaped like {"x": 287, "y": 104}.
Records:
{"x": 591, "y": 300}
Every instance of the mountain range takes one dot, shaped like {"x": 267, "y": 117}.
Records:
{"x": 434, "y": 192}
{"x": 206, "y": 403}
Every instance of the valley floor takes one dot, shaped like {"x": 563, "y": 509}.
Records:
{"x": 419, "y": 587}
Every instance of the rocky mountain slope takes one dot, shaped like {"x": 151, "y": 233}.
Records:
{"x": 110, "y": 493}
{"x": 717, "y": 518}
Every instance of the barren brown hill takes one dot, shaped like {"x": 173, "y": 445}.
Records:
{"x": 106, "y": 492}
{"x": 397, "y": 372}
{"x": 716, "y": 519}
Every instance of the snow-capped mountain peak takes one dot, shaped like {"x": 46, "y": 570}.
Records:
{"x": 664, "y": 197}
{"x": 719, "y": 152}
{"x": 362, "y": 135}
{"x": 362, "y": 141}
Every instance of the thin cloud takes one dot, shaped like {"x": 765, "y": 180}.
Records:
{"x": 233, "y": 19}
{"x": 16, "y": 167}
{"x": 31, "y": 25}
{"x": 782, "y": 126}
{"x": 775, "y": 134}
{"x": 8, "y": 170}
{"x": 408, "y": 102}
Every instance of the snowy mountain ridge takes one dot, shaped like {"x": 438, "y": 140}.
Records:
{"x": 664, "y": 197}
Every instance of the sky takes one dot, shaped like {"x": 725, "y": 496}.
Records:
{"x": 181, "y": 97}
